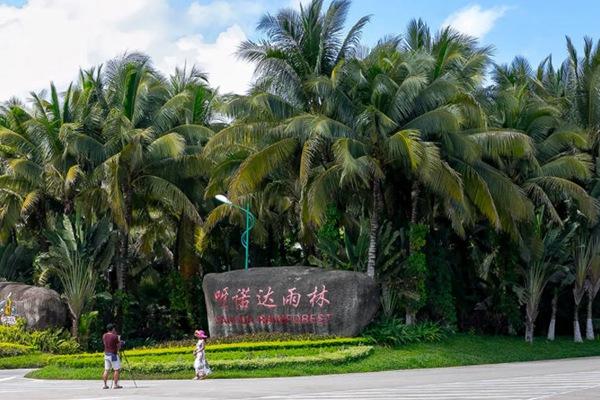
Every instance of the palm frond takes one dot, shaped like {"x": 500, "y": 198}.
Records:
{"x": 258, "y": 166}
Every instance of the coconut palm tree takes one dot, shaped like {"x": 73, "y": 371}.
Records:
{"x": 144, "y": 140}
{"x": 380, "y": 137}
{"x": 583, "y": 87}
{"x": 302, "y": 45}
{"x": 556, "y": 165}
{"x": 41, "y": 172}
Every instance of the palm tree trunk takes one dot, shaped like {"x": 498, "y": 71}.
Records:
{"x": 529, "y": 329}
{"x": 41, "y": 213}
{"x": 122, "y": 261}
{"x": 410, "y": 317}
{"x": 374, "y": 230}
{"x": 576, "y": 330}
{"x": 68, "y": 205}
{"x": 589, "y": 329}
{"x": 185, "y": 255}
{"x": 75, "y": 326}
{"x": 415, "y": 194}
{"x": 530, "y": 317}
{"x": 124, "y": 248}
{"x": 552, "y": 326}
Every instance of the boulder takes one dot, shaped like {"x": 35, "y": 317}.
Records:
{"x": 42, "y": 308}
{"x": 291, "y": 300}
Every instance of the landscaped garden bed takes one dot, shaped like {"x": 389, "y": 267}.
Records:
{"x": 291, "y": 359}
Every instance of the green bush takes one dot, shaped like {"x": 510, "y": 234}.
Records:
{"x": 13, "y": 349}
{"x": 394, "y": 332}
{"x": 56, "y": 341}
{"x": 15, "y": 334}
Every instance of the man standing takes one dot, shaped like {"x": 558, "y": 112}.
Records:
{"x": 112, "y": 344}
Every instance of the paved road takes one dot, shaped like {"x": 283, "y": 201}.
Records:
{"x": 568, "y": 379}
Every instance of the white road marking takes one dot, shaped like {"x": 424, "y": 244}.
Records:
{"x": 519, "y": 388}
{"x": 8, "y": 379}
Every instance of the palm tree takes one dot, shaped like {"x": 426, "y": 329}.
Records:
{"x": 548, "y": 257}
{"x": 583, "y": 87}
{"x": 143, "y": 141}
{"x": 197, "y": 114}
{"x": 585, "y": 255}
{"x": 77, "y": 252}
{"x": 557, "y": 163}
{"x": 593, "y": 286}
{"x": 380, "y": 139}
{"x": 302, "y": 45}
{"x": 41, "y": 173}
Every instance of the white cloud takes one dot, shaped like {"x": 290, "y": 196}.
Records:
{"x": 223, "y": 12}
{"x": 225, "y": 71}
{"x": 48, "y": 40}
{"x": 474, "y": 20}
{"x": 201, "y": 13}
{"x": 296, "y": 3}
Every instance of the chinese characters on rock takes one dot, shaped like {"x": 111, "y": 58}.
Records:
{"x": 266, "y": 298}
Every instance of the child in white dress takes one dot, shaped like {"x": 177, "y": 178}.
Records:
{"x": 200, "y": 364}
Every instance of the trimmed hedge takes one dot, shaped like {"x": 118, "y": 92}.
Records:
{"x": 142, "y": 365}
{"x": 251, "y": 346}
{"x": 91, "y": 362}
{"x": 338, "y": 357}
{"x": 13, "y": 349}
{"x": 29, "y": 360}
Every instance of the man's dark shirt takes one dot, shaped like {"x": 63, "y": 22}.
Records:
{"x": 111, "y": 342}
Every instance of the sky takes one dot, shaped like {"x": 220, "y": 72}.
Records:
{"x": 49, "y": 40}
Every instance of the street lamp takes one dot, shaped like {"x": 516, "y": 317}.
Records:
{"x": 250, "y": 221}
{"x": 223, "y": 199}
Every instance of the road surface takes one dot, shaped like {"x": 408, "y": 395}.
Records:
{"x": 566, "y": 379}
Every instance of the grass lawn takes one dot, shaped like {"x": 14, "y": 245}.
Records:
{"x": 454, "y": 351}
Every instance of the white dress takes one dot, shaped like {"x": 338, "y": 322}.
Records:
{"x": 200, "y": 364}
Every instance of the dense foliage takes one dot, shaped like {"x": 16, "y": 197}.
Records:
{"x": 468, "y": 189}
{"x": 16, "y": 340}
{"x": 394, "y": 332}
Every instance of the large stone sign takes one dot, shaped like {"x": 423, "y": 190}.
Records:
{"x": 289, "y": 299}
{"x": 41, "y": 307}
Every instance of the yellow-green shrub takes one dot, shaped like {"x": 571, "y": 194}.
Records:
{"x": 13, "y": 349}
{"x": 55, "y": 340}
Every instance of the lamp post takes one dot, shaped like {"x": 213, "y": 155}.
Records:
{"x": 250, "y": 221}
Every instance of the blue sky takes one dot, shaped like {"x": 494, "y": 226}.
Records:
{"x": 533, "y": 28}
{"x": 51, "y": 39}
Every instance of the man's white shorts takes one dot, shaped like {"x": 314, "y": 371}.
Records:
{"x": 109, "y": 363}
